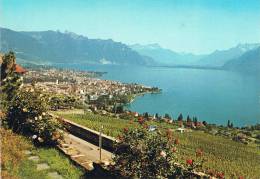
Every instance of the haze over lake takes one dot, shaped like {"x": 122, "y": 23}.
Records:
{"x": 212, "y": 95}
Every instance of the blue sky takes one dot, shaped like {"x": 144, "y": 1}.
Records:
{"x": 197, "y": 26}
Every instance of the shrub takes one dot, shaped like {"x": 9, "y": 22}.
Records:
{"x": 144, "y": 154}
{"x": 27, "y": 114}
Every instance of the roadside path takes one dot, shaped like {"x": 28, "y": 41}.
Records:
{"x": 83, "y": 152}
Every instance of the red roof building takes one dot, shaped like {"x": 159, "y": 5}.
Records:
{"x": 19, "y": 69}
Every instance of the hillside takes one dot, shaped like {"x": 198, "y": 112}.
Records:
{"x": 220, "y": 153}
{"x": 248, "y": 62}
{"x": 57, "y": 47}
{"x": 220, "y": 57}
{"x": 164, "y": 56}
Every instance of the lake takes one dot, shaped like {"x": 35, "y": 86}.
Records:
{"x": 212, "y": 95}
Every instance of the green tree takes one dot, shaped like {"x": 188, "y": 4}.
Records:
{"x": 8, "y": 65}
{"x": 167, "y": 116}
{"x": 10, "y": 81}
{"x": 180, "y": 117}
{"x": 228, "y": 124}
{"x": 146, "y": 115}
{"x": 188, "y": 119}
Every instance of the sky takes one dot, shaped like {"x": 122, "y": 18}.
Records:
{"x": 195, "y": 26}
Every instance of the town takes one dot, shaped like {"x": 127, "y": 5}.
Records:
{"x": 85, "y": 88}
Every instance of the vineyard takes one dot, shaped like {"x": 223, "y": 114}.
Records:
{"x": 221, "y": 155}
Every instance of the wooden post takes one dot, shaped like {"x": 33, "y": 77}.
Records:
{"x": 100, "y": 143}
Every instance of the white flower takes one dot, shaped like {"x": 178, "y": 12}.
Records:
{"x": 40, "y": 139}
{"x": 40, "y": 117}
{"x": 36, "y": 118}
{"x": 43, "y": 113}
{"x": 34, "y": 136}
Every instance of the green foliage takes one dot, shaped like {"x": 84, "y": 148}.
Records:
{"x": 221, "y": 154}
{"x": 8, "y": 65}
{"x": 27, "y": 114}
{"x": 63, "y": 102}
{"x": 10, "y": 81}
{"x": 144, "y": 155}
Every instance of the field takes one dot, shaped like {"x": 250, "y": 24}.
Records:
{"x": 14, "y": 163}
{"x": 221, "y": 154}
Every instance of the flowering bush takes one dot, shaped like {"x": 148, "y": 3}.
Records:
{"x": 144, "y": 154}
{"x": 27, "y": 114}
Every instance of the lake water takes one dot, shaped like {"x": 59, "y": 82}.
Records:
{"x": 212, "y": 95}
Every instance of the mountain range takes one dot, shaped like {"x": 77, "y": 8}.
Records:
{"x": 219, "y": 57}
{"x": 249, "y": 62}
{"x": 57, "y": 47}
{"x": 165, "y": 56}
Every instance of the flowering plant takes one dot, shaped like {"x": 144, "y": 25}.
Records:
{"x": 27, "y": 114}
{"x": 144, "y": 154}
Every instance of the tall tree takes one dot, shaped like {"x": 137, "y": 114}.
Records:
{"x": 180, "y": 118}
{"x": 8, "y": 65}
{"x": 10, "y": 81}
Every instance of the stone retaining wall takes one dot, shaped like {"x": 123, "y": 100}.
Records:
{"x": 89, "y": 135}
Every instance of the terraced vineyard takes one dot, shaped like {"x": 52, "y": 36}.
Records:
{"x": 221, "y": 154}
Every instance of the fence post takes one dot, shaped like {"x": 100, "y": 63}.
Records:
{"x": 100, "y": 143}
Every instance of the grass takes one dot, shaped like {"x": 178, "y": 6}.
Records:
{"x": 58, "y": 162}
{"x": 14, "y": 163}
{"x": 221, "y": 154}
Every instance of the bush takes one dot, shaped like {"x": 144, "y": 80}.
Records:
{"x": 27, "y": 114}
{"x": 143, "y": 154}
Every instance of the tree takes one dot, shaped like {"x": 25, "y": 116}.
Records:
{"x": 8, "y": 65}
{"x": 195, "y": 120}
{"x": 204, "y": 123}
{"x": 180, "y": 118}
{"x": 228, "y": 124}
{"x": 188, "y": 119}
{"x": 10, "y": 81}
{"x": 157, "y": 116}
{"x": 118, "y": 108}
{"x": 146, "y": 115}
{"x": 167, "y": 116}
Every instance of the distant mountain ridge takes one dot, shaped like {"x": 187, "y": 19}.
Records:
{"x": 220, "y": 57}
{"x": 57, "y": 47}
{"x": 165, "y": 56}
{"x": 249, "y": 62}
